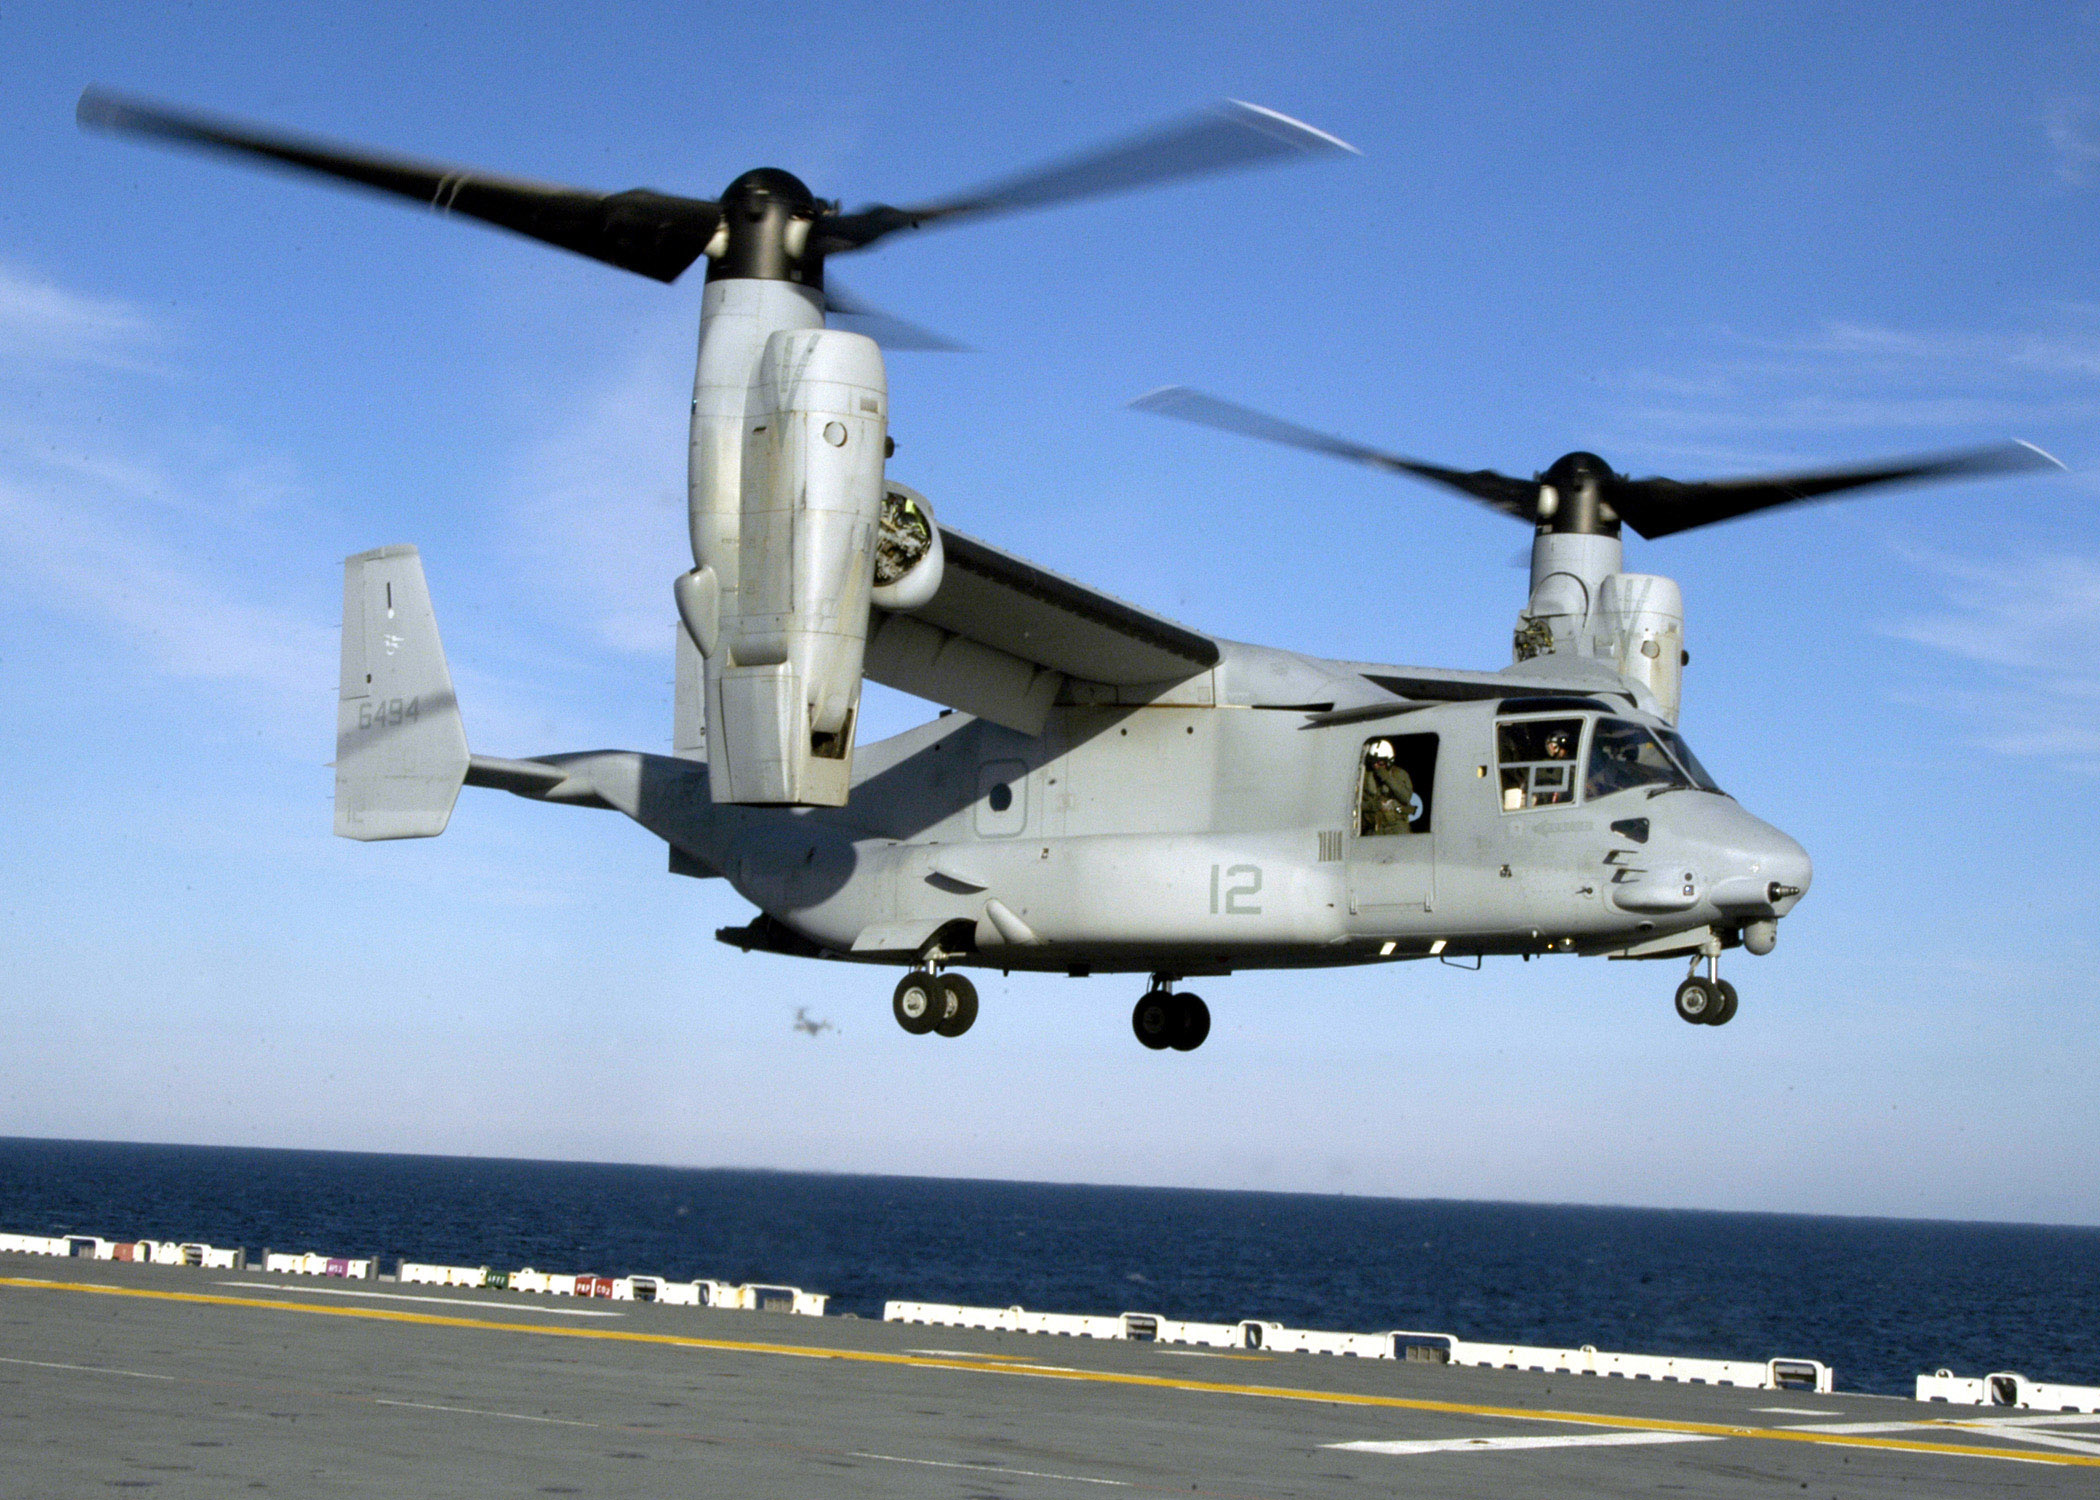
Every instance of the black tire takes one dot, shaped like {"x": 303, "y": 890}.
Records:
{"x": 1697, "y": 1001}
{"x": 1724, "y": 1012}
{"x": 1191, "y": 1023}
{"x": 919, "y": 1003}
{"x": 961, "y": 1009}
{"x": 1153, "y": 1020}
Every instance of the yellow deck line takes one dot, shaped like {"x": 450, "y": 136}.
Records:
{"x": 1098, "y": 1377}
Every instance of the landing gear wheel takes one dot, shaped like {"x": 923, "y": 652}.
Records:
{"x": 1698, "y": 1001}
{"x": 1724, "y": 1012}
{"x": 1154, "y": 1018}
{"x": 959, "y": 1007}
{"x": 919, "y": 1003}
{"x": 1191, "y": 1023}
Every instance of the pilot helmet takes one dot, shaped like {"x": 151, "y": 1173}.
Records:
{"x": 1381, "y": 749}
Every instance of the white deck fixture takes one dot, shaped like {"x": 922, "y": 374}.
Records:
{"x": 1435, "y": 1348}
{"x": 2007, "y": 1389}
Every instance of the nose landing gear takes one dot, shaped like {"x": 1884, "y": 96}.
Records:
{"x": 942, "y": 1003}
{"x": 1164, "y": 1019}
{"x": 1709, "y": 1001}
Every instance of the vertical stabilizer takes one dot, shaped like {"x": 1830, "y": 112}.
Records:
{"x": 400, "y": 751}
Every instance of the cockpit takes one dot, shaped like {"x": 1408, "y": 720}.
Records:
{"x": 1550, "y": 761}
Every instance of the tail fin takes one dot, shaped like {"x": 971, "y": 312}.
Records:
{"x": 400, "y": 752}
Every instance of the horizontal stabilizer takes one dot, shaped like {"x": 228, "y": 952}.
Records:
{"x": 400, "y": 751}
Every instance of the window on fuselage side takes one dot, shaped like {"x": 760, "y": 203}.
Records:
{"x": 1394, "y": 789}
{"x": 1538, "y": 759}
{"x": 1625, "y": 755}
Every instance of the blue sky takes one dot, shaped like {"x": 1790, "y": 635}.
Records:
{"x": 1697, "y": 240}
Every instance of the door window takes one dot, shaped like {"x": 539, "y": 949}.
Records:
{"x": 1538, "y": 760}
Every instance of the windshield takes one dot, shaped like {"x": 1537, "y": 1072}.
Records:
{"x": 1689, "y": 761}
{"x": 1624, "y": 755}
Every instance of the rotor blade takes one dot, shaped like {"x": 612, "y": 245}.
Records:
{"x": 1228, "y": 136}
{"x": 843, "y": 309}
{"x": 1513, "y": 497}
{"x": 654, "y": 234}
{"x": 1663, "y": 507}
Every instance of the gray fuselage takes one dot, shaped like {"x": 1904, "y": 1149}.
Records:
{"x": 1211, "y": 829}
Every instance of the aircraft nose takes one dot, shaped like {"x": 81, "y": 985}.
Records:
{"x": 1788, "y": 871}
{"x": 1756, "y": 871}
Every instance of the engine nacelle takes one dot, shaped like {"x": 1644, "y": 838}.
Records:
{"x": 784, "y": 660}
{"x": 1582, "y": 605}
{"x": 1640, "y": 628}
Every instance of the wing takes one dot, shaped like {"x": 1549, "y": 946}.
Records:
{"x": 1002, "y": 637}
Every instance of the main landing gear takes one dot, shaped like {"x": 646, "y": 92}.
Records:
{"x": 943, "y": 1003}
{"x": 1164, "y": 1019}
{"x": 1709, "y": 1001}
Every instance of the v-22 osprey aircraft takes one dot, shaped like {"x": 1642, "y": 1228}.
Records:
{"x": 1112, "y": 792}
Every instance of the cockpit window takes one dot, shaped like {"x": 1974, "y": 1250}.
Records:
{"x": 1538, "y": 758}
{"x": 1624, "y": 755}
{"x": 1689, "y": 761}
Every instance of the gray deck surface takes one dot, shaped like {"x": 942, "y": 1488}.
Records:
{"x": 193, "y": 1382}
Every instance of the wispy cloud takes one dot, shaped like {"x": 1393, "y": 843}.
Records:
{"x": 42, "y": 324}
{"x": 167, "y": 606}
{"x": 603, "y": 493}
{"x": 2040, "y": 614}
{"x": 2032, "y": 627}
{"x": 135, "y": 526}
{"x": 2017, "y": 627}
{"x": 1774, "y": 401}
{"x": 2074, "y": 144}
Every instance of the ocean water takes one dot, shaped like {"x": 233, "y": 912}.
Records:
{"x": 1879, "y": 1299}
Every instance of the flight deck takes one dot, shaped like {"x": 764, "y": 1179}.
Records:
{"x": 194, "y": 1381}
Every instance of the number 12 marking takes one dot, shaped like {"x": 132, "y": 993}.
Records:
{"x": 1239, "y": 897}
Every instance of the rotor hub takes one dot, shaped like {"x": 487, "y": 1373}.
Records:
{"x": 1573, "y": 496}
{"x": 764, "y": 232}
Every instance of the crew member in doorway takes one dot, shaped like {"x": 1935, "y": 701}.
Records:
{"x": 1387, "y": 801}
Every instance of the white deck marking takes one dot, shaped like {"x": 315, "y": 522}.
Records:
{"x": 2004, "y": 1426}
{"x": 1512, "y": 1444}
{"x": 45, "y": 1364}
{"x": 475, "y": 1411}
{"x": 1018, "y": 1364}
{"x": 935, "y": 1463}
{"x": 2083, "y": 1443}
{"x": 1798, "y": 1411}
{"x": 2046, "y": 1419}
{"x": 343, "y": 1291}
